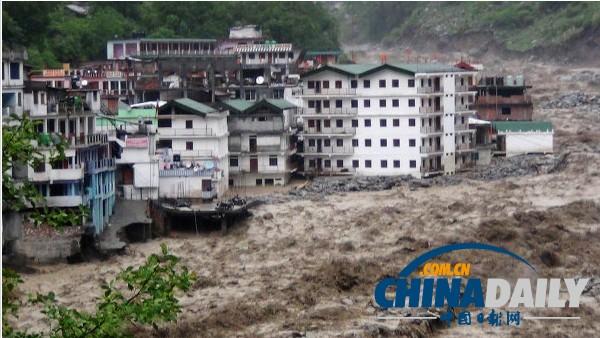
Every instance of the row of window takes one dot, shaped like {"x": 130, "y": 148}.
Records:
{"x": 356, "y": 163}
{"x": 395, "y": 83}
{"x": 382, "y": 142}
{"x": 280, "y": 55}
{"x": 339, "y": 123}
{"x": 354, "y": 103}
{"x": 234, "y": 161}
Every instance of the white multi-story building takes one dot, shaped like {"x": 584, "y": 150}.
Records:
{"x": 193, "y": 150}
{"x": 261, "y": 142}
{"x": 387, "y": 119}
{"x": 12, "y": 82}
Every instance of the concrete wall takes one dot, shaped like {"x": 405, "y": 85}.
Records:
{"x": 47, "y": 250}
{"x": 523, "y": 143}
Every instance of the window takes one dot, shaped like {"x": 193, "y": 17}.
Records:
{"x": 327, "y": 143}
{"x": 250, "y": 95}
{"x": 339, "y": 123}
{"x": 366, "y": 83}
{"x": 40, "y": 167}
{"x": 339, "y": 142}
{"x": 311, "y": 103}
{"x": 15, "y": 71}
{"x": 338, "y": 84}
{"x": 411, "y": 83}
{"x": 35, "y": 97}
{"x": 355, "y": 143}
{"x": 384, "y": 163}
{"x": 396, "y": 142}
{"x": 367, "y": 103}
{"x": 311, "y": 123}
{"x": 396, "y": 122}
{"x": 354, "y": 103}
{"x": 269, "y": 181}
{"x": 233, "y": 162}
{"x": 164, "y": 123}
{"x": 383, "y": 142}
{"x": 326, "y": 123}
{"x": 311, "y": 163}
{"x": 327, "y": 163}
{"x": 382, "y": 103}
{"x": 261, "y": 55}
{"x": 395, "y": 103}
{"x": 338, "y": 103}
{"x": 413, "y": 163}
{"x": 311, "y": 84}
{"x": 340, "y": 163}
{"x": 354, "y": 123}
{"x": 412, "y": 142}
{"x": 396, "y": 163}
{"x": 396, "y": 83}
{"x": 505, "y": 110}
{"x": 19, "y": 99}
{"x": 325, "y": 103}
{"x": 273, "y": 161}
{"x": 325, "y": 84}
{"x": 367, "y": 122}
{"x": 411, "y": 102}
{"x": 353, "y": 84}
{"x": 367, "y": 163}
{"x": 311, "y": 143}
{"x": 382, "y": 122}
{"x": 381, "y": 83}
{"x": 189, "y": 146}
{"x": 411, "y": 122}
{"x": 354, "y": 163}
{"x": 189, "y": 124}
{"x": 367, "y": 142}
{"x": 251, "y": 56}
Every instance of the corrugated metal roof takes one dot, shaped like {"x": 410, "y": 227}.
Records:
{"x": 248, "y": 107}
{"x": 189, "y": 105}
{"x": 522, "y": 126}
{"x": 176, "y": 40}
{"x": 281, "y": 103}
{"x": 238, "y": 106}
{"x": 263, "y": 48}
{"x": 408, "y": 68}
{"x": 323, "y": 52}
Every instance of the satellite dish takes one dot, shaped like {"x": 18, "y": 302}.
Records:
{"x": 209, "y": 165}
{"x": 260, "y": 80}
{"x": 84, "y": 83}
{"x": 188, "y": 165}
{"x": 196, "y": 169}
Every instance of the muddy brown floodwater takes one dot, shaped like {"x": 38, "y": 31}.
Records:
{"x": 308, "y": 267}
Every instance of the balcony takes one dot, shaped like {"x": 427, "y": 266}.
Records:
{"x": 333, "y": 171}
{"x": 97, "y": 166}
{"x": 459, "y": 88}
{"x": 73, "y": 173}
{"x": 207, "y": 195}
{"x": 493, "y": 100}
{"x": 431, "y": 130}
{"x": 87, "y": 140}
{"x": 349, "y": 131}
{"x": 430, "y": 90}
{"x": 184, "y": 172}
{"x": 434, "y": 170}
{"x": 467, "y": 146}
{"x": 462, "y": 108}
{"x": 428, "y": 150}
{"x": 463, "y": 128}
{"x": 64, "y": 201}
{"x": 329, "y": 91}
{"x": 257, "y": 149}
{"x": 6, "y": 111}
{"x": 329, "y": 150}
{"x": 329, "y": 111}
{"x": 431, "y": 110}
{"x": 180, "y": 132}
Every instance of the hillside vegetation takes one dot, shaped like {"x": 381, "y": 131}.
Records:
{"x": 52, "y": 33}
{"x": 519, "y": 27}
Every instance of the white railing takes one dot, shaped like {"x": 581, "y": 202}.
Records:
{"x": 461, "y": 107}
{"x": 431, "y": 149}
{"x": 465, "y": 146}
{"x": 174, "y": 132}
{"x": 329, "y": 150}
{"x": 331, "y": 130}
{"x": 459, "y": 88}
{"x": 329, "y": 111}
{"x": 329, "y": 91}
{"x": 103, "y": 164}
{"x": 184, "y": 172}
{"x": 431, "y": 130}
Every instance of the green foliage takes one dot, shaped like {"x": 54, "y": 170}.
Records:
{"x": 143, "y": 295}
{"x": 60, "y": 34}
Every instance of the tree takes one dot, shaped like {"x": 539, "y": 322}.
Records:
{"x": 143, "y": 295}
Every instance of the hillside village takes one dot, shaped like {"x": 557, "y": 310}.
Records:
{"x": 182, "y": 121}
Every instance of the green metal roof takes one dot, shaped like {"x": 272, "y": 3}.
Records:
{"x": 324, "y": 52}
{"x": 249, "y": 107}
{"x": 361, "y": 70}
{"x": 189, "y": 106}
{"x": 522, "y": 126}
{"x": 176, "y": 40}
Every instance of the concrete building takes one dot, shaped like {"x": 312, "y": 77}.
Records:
{"x": 12, "y": 82}
{"x": 387, "y": 119}
{"x": 193, "y": 150}
{"x": 503, "y": 99}
{"x": 262, "y": 142}
{"x": 523, "y": 137}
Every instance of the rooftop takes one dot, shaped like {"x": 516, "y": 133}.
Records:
{"x": 361, "y": 70}
{"x": 522, "y": 126}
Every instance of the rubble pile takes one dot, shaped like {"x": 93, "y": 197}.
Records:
{"x": 580, "y": 100}
{"x": 502, "y": 167}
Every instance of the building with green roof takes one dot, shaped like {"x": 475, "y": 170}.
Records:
{"x": 524, "y": 137}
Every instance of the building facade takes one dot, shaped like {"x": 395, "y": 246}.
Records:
{"x": 13, "y": 82}
{"x": 193, "y": 150}
{"x": 387, "y": 119}
{"x": 262, "y": 142}
{"x": 504, "y": 99}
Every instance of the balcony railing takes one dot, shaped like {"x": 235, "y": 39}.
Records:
{"x": 329, "y": 150}
{"x": 514, "y": 99}
{"x": 465, "y": 146}
{"x": 431, "y": 130}
{"x": 432, "y": 170}
{"x": 329, "y": 111}
{"x": 431, "y": 149}
{"x": 175, "y": 132}
{"x": 463, "y": 127}
{"x": 184, "y": 172}
{"x": 431, "y": 110}
{"x": 329, "y": 91}
{"x": 332, "y": 170}
{"x": 64, "y": 201}
{"x": 429, "y": 90}
{"x": 331, "y": 130}
{"x": 461, "y": 107}
{"x": 209, "y": 194}
{"x": 87, "y": 140}
{"x": 100, "y": 165}
{"x": 256, "y": 149}
{"x": 463, "y": 88}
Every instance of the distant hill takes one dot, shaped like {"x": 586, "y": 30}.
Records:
{"x": 548, "y": 30}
